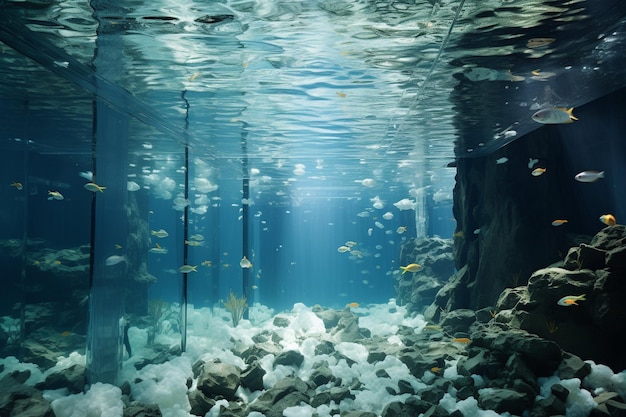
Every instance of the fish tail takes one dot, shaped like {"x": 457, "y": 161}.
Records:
{"x": 404, "y": 269}
{"x": 571, "y": 116}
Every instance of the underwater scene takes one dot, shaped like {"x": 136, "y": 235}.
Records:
{"x": 319, "y": 208}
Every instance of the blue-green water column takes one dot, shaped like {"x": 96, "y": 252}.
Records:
{"x": 110, "y": 223}
{"x": 109, "y": 228}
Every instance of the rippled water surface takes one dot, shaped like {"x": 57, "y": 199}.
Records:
{"x": 316, "y": 94}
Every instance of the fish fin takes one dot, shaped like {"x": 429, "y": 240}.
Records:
{"x": 571, "y": 115}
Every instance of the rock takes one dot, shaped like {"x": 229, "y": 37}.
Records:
{"x": 287, "y": 392}
{"x": 504, "y": 400}
{"x": 281, "y": 321}
{"x": 289, "y": 358}
{"x": 200, "y": 404}
{"x": 252, "y": 377}
{"x": 325, "y": 347}
{"x": 458, "y": 320}
{"x": 72, "y": 378}
{"x": 572, "y": 366}
{"x": 358, "y": 414}
{"x": 541, "y": 356}
{"x": 321, "y": 375}
{"x": 616, "y": 258}
{"x": 142, "y": 410}
{"x": 347, "y": 329}
{"x": 19, "y": 400}
{"x": 219, "y": 379}
{"x": 258, "y": 350}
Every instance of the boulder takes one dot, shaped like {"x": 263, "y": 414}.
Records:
{"x": 219, "y": 379}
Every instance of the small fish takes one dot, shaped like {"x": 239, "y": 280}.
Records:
{"x": 245, "y": 263}
{"x": 352, "y": 305}
{"x": 55, "y": 195}
{"x": 194, "y": 76}
{"x": 538, "y": 172}
{"x": 66, "y": 333}
{"x": 459, "y": 234}
{"x": 432, "y": 327}
{"x": 554, "y": 116}
{"x": 559, "y": 222}
{"x": 532, "y": 162}
{"x": 206, "y": 263}
{"x": 93, "y": 187}
{"x": 196, "y": 237}
{"x": 350, "y": 243}
{"x": 118, "y": 246}
{"x": 193, "y": 243}
{"x": 255, "y": 287}
{"x": 570, "y": 300}
{"x": 608, "y": 219}
{"x": 158, "y": 249}
{"x": 476, "y": 231}
{"x": 342, "y": 249}
{"x": 114, "y": 260}
{"x": 410, "y": 268}
{"x": 502, "y": 160}
{"x": 17, "y": 185}
{"x": 539, "y": 42}
{"x": 461, "y": 339}
{"x": 589, "y": 176}
{"x": 401, "y": 229}
{"x": 435, "y": 369}
{"x": 185, "y": 269}
{"x": 342, "y": 95}
{"x": 159, "y": 233}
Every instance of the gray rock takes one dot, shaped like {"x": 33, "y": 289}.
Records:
{"x": 287, "y": 392}
{"x": 289, "y": 358}
{"x": 200, "y": 404}
{"x": 321, "y": 375}
{"x": 72, "y": 378}
{"x": 458, "y": 320}
{"x": 219, "y": 379}
{"x": 19, "y": 400}
{"x": 572, "y": 366}
{"x": 252, "y": 377}
{"x": 142, "y": 410}
{"x": 502, "y": 399}
{"x": 347, "y": 329}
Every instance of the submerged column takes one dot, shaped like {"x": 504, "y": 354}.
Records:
{"x": 111, "y": 253}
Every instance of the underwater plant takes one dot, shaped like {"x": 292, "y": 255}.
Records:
{"x": 236, "y": 306}
{"x": 156, "y": 313}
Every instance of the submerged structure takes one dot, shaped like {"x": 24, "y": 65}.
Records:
{"x": 240, "y": 202}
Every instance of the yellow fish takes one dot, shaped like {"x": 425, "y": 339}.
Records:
{"x": 401, "y": 230}
{"x": 432, "y": 327}
{"x": 538, "y": 171}
{"x": 194, "y": 76}
{"x": 185, "y": 269}
{"x": 66, "y": 333}
{"x": 461, "y": 339}
{"x": 17, "y": 185}
{"x": 559, "y": 222}
{"x": 554, "y": 116}
{"x": 340, "y": 94}
{"x": 93, "y": 187}
{"x": 608, "y": 219}
{"x": 411, "y": 268}
{"x": 352, "y": 305}
{"x": 458, "y": 234}
{"x": 435, "y": 369}
{"x": 570, "y": 300}
{"x": 55, "y": 195}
